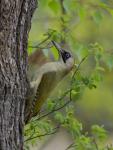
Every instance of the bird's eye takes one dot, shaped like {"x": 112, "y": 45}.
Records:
{"x": 67, "y": 55}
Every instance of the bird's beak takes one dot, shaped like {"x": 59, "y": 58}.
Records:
{"x": 60, "y": 50}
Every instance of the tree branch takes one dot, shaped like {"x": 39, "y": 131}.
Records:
{"x": 45, "y": 134}
{"x": 70, "y": 146}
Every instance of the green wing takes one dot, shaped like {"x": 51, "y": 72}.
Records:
{"x": 46, "y": 86}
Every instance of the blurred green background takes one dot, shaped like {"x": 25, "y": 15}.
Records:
{"x": 88, "y": 22}
{"x": 81, "y": 24}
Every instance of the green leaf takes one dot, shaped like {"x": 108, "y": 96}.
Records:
{"x": 59, "y": 117}
{"x": 110, "y": 11}
{"x": 81, "y": 12}
{"x": 98, "y": 132}
{"x": 55, "y": 53}
{"x": 54, "y": 6}
{"x": 97, "y": 17}
{"x": 109, "y": 62}
{"x": 70, "y": 6}
{"x": 74, "y": 92}
{"x": 50, "y": 104}
{"x": 81, "y": 50}
{"x": 100, "y": 68}
{"x": 84, "y": 143}
{"x": 43, "y": 3}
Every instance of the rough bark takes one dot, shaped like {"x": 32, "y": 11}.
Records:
{"x": 15, "y": 22}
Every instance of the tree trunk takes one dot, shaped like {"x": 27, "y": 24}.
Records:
{"x": 15, "y": 22}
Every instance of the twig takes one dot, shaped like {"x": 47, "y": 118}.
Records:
{"x": 76, "y": 70}
{"x": 40, "y": 47}
{"x": 31, "y": 134}
{"x": 94, "y": 141}
{"x": 45, "y": 134}
{"x": 54, "y": 110}
{"x": 49, "y": 113}
{"x": 42, "y": 42}
{"x": 70, "y": 146}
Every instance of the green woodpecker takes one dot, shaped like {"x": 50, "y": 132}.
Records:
{"x": 46, "y": 79}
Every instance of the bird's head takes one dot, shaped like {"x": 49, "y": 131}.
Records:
{"x": 65, "y": 56}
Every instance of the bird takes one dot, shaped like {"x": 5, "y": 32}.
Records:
{"x": 46, "y": 78}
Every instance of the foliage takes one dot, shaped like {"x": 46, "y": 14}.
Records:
{"x": 92, "y": 61}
